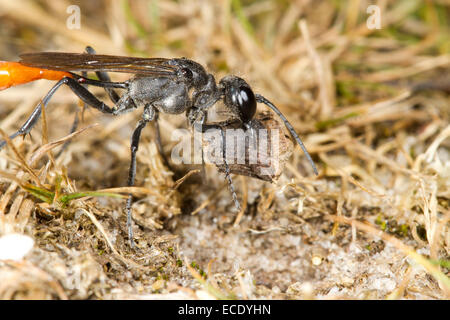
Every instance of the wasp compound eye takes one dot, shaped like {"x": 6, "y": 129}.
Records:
{"x": 239, "y": 97}
{"x": 246, "y": 102}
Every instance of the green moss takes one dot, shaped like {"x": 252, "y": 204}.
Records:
{"x": 391, "y": 226}
{"x": 379, "y": 221}
{"x": 239, "y": 13}
{"x": 132, "y": 21}
{"x": 199, "y": 270}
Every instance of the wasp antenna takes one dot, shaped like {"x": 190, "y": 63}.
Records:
{"x": 294, "y": 134}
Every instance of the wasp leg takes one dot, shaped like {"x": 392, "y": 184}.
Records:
{"x": 103, "y": 76}
{"x": 149, "y": 115}
{"x": 83, "y": 74}
{"x": 75, "y": 123}
{"x": 227, "y": 171}
{"x": 196, "y": 118}
{"x": 159, "y": 142}
{"x": 77, "y": 88}
{"x": 219, "y": 126}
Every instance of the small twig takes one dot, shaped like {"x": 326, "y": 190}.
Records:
{"x": 182, "y": 179}
{"x": 21, "y": 159}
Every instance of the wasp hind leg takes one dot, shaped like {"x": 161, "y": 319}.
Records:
{"x": 75, "y": 123}
{"x": 77, "y": 88}
{"x": 102, "y": 76}
{"x": 159, "y": 144}
{"x": 149, "y": 115}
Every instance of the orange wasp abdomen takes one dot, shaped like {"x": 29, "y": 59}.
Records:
{"x": 14, "y": 73}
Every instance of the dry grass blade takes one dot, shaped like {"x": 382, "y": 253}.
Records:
{"x": 425, "y": 65}
{"x": 39, "y": 153}
{"x": 182, "y": 179}
{"x": 210, "y": 289}
{"x": 244, "y": 203}
{"x": 134, "y": 191}
{"x": 127, "y": 262}
{"x": 211, "y": 197}
{"x": 30, "y": 12}
{"x": 371, "y": 105}
{"x": 30, "y": 269}
{"x": 432, "y": 149}
{"x": 323, "y": 71}
{"x": 45, "y": 134}
{"x": 22, "y": 161}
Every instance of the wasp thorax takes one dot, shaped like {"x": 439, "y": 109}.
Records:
{"x": 239, "y": 97}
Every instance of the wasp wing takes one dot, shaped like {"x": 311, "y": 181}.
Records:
{"x": 62, "y": 61}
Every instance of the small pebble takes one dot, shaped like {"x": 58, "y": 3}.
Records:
{"x": 15, "y": 246}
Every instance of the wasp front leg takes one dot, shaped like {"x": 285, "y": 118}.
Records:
{"x": 200, "y": 126}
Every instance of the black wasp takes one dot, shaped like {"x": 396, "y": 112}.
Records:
{"x": 170, "y": 86}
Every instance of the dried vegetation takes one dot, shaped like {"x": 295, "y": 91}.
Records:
{"x": 372, "y": 107}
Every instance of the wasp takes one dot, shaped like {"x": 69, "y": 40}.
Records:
{"x": 171, "y": 86}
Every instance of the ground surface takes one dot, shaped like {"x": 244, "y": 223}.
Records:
{"x": 371, "y": 105}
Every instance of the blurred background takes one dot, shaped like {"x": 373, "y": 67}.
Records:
{"x": 366, "y": 85}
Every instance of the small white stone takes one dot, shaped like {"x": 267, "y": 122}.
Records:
{"x": 276, "y": 290}
{"x": 15, "y": 246}
{"x": 316, "y": 260}
{"x": 204, "y": 295}
{"x": 384, "y": 284}
{"x": 307, "y": 289}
